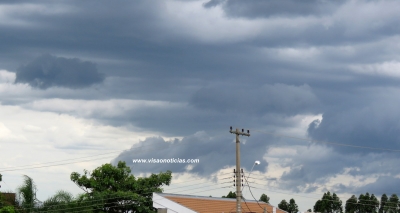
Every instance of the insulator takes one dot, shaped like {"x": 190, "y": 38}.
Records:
{"x": 248, "y": 131}
{"x": 241, "y": 170}
{"x": 234, "y": 185}
{"x": 231, "y": 128}
{"x": 234, "y": 170}
{"x": 242, "y": 130}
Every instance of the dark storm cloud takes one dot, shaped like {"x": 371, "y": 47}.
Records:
{"x": 296, "y": 62}
{"x": 214, "y": 153}
{"x": 383, "y": 185}
{"x": 319, "y": 23}
{"x": 213, "y": 3}
{"x": 267, "y": 8}
{"x": 312, "y": 167}
{"x": 277, "y": 98}
{"x": 368, "y": 120}
{"x": 51, "y": 71}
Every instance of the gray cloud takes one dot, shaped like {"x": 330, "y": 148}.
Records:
{"x": 312, "y": 167}
{"x": 260, "y": 8}
{"x": 297, "y": 61}
{"x": 51, "y": 71}
{"x": 214, "y": 153}
{"x": 369, "y": 120}
{"x": 384, "y": 184}
{"x": 213, "y": 3}
{"x": 277, "y": 98}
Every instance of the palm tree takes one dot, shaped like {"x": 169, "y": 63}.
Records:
{"x": 27, "y": 194}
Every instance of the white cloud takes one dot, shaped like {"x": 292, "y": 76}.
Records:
{"x": 7, "y": 77}
{"x": 30, "y": 137}
{"x": 100, "y": 108}
{"x": 387, "y": 68}
{"x": 360, "y": 17}
{"x": 14, "y": 14}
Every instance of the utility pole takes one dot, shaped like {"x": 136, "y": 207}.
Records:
{"x": 238, "y": 170}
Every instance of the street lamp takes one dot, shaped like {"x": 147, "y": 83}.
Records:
{"x": 255, "y": 163}
{"x": 247, "y": 180}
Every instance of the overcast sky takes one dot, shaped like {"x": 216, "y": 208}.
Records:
{"x": 84, "y": 78}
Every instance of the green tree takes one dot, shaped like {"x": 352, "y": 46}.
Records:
{"x": 114, "y": 189}
{"x": 368, "y": 203}
{"x": 293, "y": 208}
{"x": 371, "y": 203}
{"x": 63, "y": 202}
{"x": 309, "y": 210}
{"x": 351, "y": 205}
{"x": 27, "y": 194}
{"x": 7, "y": 209}
{"x": 264, "y": 198}
{"x": 284, "y": 205}
{"x": 330, "y": 203}
{"x": 230, "y": 195}
{"x": 384, "y": 200}
{"x": 392, "y": 206}
{"x": 336, "y": 204}
{"x": 317, "y": 206}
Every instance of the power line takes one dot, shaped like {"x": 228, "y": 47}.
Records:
{"x": 248, "y": 185}
{"x": 308, "y": 193}
{"x": 326, "y": 142}
{"x": 122, "y": 152}
{"x": 150, "y": 192}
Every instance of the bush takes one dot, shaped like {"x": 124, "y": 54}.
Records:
{"x": 7, "y": 209}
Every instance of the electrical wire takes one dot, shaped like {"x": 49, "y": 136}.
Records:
{"x": 150, "y": 192}
{"x": 252, "y": 192}
{"x": 174, "y": 189}
{"x": 123, "y": 151}
{"x": 341, "y": 197}
{"x": 50, "y": 162}
{"x": 327, "y": 142}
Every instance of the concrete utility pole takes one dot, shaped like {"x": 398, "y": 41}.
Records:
{"x": 238, "y": 170}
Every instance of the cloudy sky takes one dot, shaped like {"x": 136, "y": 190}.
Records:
{"x": 81, "y": 81}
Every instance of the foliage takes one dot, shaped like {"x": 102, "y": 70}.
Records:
{"x": 63, "y": 202}
{"x": 1, "y": 200}
{"x": 330, "y": 203}
{"x": 368, "y": 203}
{"x": 392, "y": 206}
{"x": 384, "y": 200}
{"x": 7, "y": 209}
{"x": 114, "y": 189}
{"x": 284, "y": 205}
{"x": 364, "y": 203}
{"x": 293, "y": 208}
{"x": 1, "y": 177}
{"x": 27, "y": 194}
{"x": 309, "y": 210}
{"x": 351, "y": 205}
{"x": 230, "y": 195}
{"x": 264, "y": 198}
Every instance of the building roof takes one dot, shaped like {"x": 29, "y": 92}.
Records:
{"x": 9, "y": 198}
{"x": 202, "y": 204}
